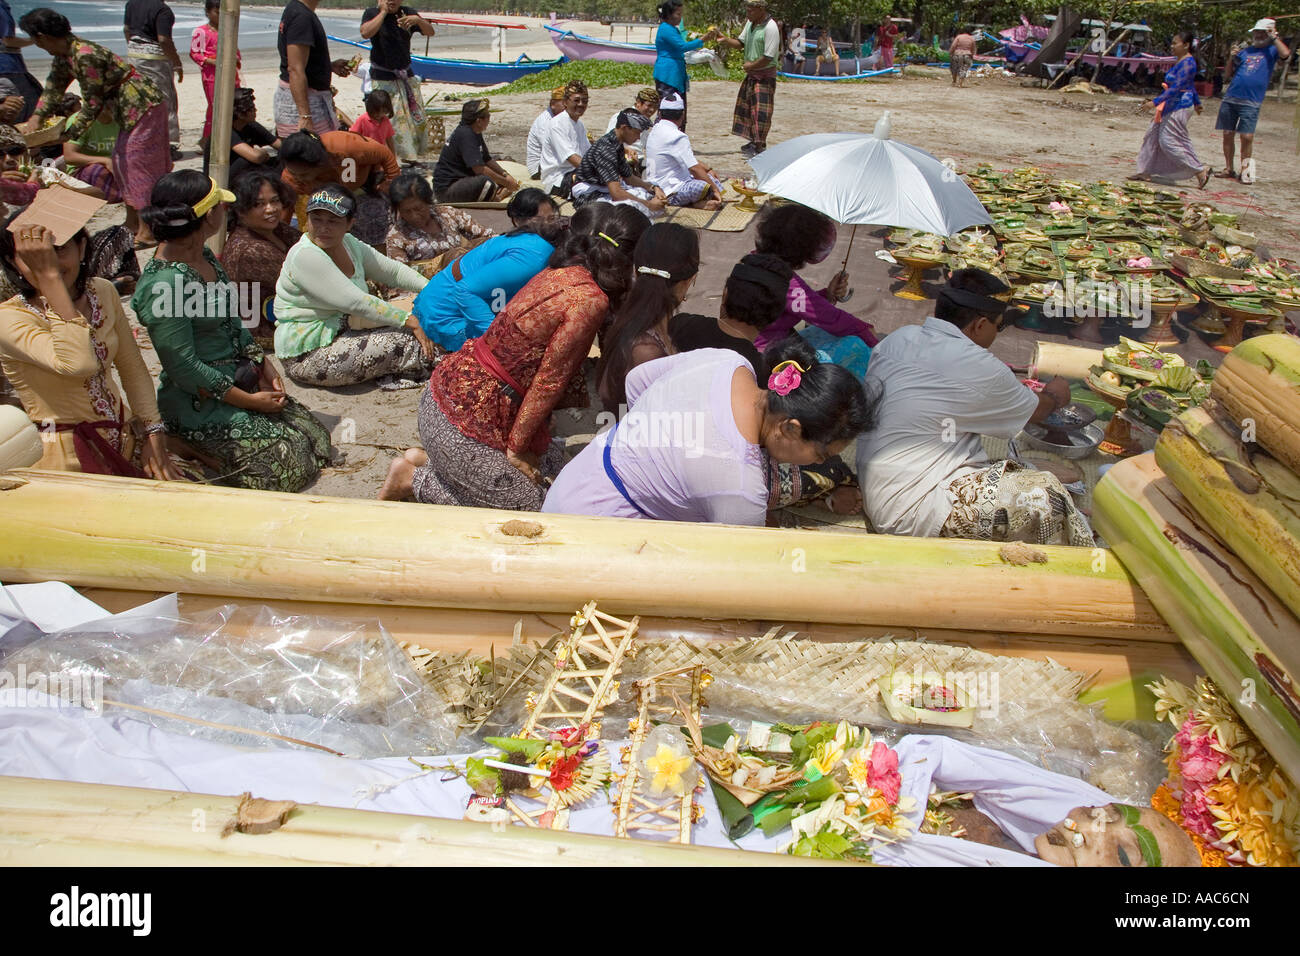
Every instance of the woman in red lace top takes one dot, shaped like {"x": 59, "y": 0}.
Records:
{"x": 485, "y": 417}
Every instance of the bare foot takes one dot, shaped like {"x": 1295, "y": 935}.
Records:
{"x": 397, "y": 487}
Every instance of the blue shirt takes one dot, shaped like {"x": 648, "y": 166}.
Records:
{"x": 1254, "y": 70}
{"x": 1180, "y": 88}
{"x": 492, "y": 272}
{"x": 9, "y": 62}
{"x": 670, "y": 64}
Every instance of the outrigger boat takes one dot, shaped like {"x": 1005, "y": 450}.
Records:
{"x": 579, "y": 46}
{"x": 468, "y": 72}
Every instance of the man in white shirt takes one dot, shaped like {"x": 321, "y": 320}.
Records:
{"x": 538, "y": 132}
{"x": 922, "y": 469}
{"x": 566, "y": 142}
{"x": 761, "y": 41}
{"x": 671, "y": 164}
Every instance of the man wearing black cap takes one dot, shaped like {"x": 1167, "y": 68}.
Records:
{"x": 922, "y": 469}
{"x": 605, "y": 173}
{"x": 466, "y": 171}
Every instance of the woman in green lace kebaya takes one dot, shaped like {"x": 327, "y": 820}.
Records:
{"x": 218, "y": 390}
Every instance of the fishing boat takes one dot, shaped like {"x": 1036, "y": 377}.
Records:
{"x": 468, "y": 72}
{"x": 579, "y": 46}
{"x": 858, "y": 67}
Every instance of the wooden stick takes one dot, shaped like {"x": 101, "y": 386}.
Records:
{"x": 230, "y": 727}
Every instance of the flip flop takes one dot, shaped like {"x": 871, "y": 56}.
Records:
{"x": 1225, "y": 174}
{"x": 1201, "y": 182}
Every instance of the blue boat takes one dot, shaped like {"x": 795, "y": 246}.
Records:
{"x": 468, "y": 72}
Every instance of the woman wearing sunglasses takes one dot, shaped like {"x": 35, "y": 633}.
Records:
{"x": 923, "y": 470}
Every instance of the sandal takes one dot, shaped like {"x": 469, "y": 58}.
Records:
{"x": 1204, "y": 178}
{"x": 1225, "y": 174}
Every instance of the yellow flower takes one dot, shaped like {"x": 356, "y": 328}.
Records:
{"x": 668, "y": 766}
{"x": 859, "y": 767}
{"x": 826, "y": 756}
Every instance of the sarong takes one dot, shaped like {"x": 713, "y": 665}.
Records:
{"x": 753, "y": 114}
{"x": 359, "y": 355}
{"x": 159, "y": 69}
{"x": 410, "y": 128}
{"x": 1167, "y": 149}
{"x": 464, "y": 472}
{"x": 959, "y": 65}
{"x": 97, "y": 175}
{"x": 1007, "y": 502}
{"x": 281, "y": 452}
{"x": 324, "y": 116}
{"x": 142, "y": 156}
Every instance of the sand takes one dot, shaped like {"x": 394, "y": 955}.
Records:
{"x": 995, "y": 119}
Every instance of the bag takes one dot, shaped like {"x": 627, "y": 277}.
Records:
{"x": 246, "y": 376}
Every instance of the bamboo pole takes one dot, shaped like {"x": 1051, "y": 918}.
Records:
{"x": 223, "y": 104}
{"x": 59, "y": 823}
{"x": 99, "y": 531}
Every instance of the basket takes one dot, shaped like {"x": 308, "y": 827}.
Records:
{"x": 1235, "y": 237}
{"x": 1197, "y": 237}
{"x": 47, "y": 135}
{"x": 1195, "y": 268}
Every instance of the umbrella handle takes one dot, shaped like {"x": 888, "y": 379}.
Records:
{"x": 844, "y": 267}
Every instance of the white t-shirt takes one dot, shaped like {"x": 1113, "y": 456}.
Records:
{"x": 639, "y": 146}
{"x": 941, "y": 393}
{"x": 771, "y": 39}
{"x": 537, "y": 134}
{"x": 669, "y": 157}
{"x": 566, "y": 137}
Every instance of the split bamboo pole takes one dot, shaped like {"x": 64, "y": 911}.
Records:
{"x": 99, "y": 531}
{"x": 59, "y": 823}
{"x": 223, "y": 104}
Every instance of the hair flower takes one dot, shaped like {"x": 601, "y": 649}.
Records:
{"x": 785, "y": 378}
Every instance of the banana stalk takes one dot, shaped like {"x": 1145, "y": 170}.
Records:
{"x": 1250, "y": 499}
{"x": 1259, "y": 386}
{"x": 1226, "y": 617}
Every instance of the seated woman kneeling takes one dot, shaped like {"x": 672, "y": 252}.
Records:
{"x": 323, "y": 282}
{"x": 730, "y": 428}
{"x": 218, "y": 390}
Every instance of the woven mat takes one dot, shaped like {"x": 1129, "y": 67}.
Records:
{"x": 726, "y": 219}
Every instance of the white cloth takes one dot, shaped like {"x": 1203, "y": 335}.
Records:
{"x": 537, "y": 134}
{"x": 669, "y": 157}
{"x": 677, "y": 450}
{"x": 565, "y": 138}
{"x": 638, "y": 148}
{"x": 941, "y": 393}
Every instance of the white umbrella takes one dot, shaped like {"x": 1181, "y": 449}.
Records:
{"x": 870, "y": 179}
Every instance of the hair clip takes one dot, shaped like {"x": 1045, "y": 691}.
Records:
{"x": 612, "y": 242}
{"x": 647, "y": 271}
{"x": 785, "y": 378}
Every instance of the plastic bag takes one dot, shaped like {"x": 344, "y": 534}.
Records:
{"x": 337, "y": 684}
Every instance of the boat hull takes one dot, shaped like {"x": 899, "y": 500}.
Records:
{"x": 577, "y": 46}
{"x": 468, "y": 72}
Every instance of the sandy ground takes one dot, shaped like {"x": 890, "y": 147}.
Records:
{"x": 996, "y": 119}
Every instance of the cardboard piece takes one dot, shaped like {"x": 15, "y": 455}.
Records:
{"x": 61, "y": 210}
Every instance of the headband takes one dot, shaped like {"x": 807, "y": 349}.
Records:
{"x": 215, "y": 195}
{"x": 612, "y": 242}
{"x": 972, "y": 300}
{"x": 785, "y": 377}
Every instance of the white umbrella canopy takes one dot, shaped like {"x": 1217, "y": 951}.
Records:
{"x": 869, "y": 179}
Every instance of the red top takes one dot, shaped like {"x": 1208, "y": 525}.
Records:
{"x": 540, "y": 338}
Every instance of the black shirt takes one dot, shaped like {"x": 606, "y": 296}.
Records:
{"x": 150, "y": 20}
{"x": 254, "y": 134}
{"x": 390, "y": 48}
{"x": 301, "y": 26}
{"x": 690, "y": 332}
{"x": 465, "y": 149}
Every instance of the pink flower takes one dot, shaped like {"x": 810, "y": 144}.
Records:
{"x": 883, "y": 772}
{"x": 1197, "y": 816}
{"x": 1198, "y": 761}
{"x": 1141, "y": 262}
{"x": 1058, "y": 207}
{"x": 786, "y": 378}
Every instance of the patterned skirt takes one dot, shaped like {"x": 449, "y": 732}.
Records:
{"x": 752, "y": 117}
{"x": 360, "y": 355}
{"x": 410, "y": 128}
{"x": 1167, "y": 149}
{"x": 142, "y": 156}
{"x": 1008, "y": 502}
{"x": 464, "y": 472}
{"x": 268, "y": 452}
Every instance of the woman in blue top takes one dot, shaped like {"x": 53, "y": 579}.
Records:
{"x": 672, "y": 47}
{"x": 1167, "y": 149}
{"x": 461, "y": 301}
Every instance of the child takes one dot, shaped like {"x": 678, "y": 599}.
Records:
{"x": 376, "y": 123}
{"x": 203, "y": 51}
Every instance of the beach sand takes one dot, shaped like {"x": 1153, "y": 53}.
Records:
{"x": 997, "y": 120}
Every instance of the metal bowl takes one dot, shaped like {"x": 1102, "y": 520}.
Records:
{"x": 1086, "y": 441}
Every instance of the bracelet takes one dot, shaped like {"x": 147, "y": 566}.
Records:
{"x": 157, "y": 428}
